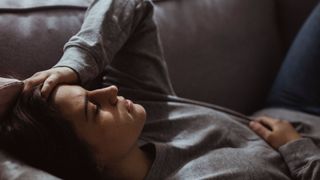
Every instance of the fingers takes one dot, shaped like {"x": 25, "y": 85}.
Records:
{"x": 49, "y": 85}
{"x": 50, "y": 78}
{"x": 267, "y": 121}
{"x": 33, "y": 81}
{"x": 280, "y": 132}
{"x": 49, "y": 82}
{"x": 261, "y": 130}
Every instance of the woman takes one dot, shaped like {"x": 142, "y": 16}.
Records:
{"x": 165, "y": 136}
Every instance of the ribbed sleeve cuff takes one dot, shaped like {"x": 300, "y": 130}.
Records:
{"x": 298, "y": 152}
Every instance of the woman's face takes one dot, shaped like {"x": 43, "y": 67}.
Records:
{"x": 110, "y": 124}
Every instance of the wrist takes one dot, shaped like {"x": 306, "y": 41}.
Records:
{"x": 289, "y": 140}
{"x": 73, "y": 76}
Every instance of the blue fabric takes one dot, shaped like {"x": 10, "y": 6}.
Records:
{"x": 297, "y": 85}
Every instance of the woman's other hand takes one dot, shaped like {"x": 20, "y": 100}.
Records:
{"x": 274, "y": 131}
{"x": 50, "y": 78}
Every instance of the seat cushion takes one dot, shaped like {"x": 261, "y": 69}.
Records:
{"x": 12, "y": 169}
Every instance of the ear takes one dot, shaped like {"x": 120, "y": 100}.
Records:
{"x": 10, "y": 89}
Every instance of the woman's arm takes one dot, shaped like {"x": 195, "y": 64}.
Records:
{"x": 106, "y": 27}
{"x": 301, "y": 154}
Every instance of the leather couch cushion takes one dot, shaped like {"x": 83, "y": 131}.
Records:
{"x": 14, "y": 4}
{"x": 224, "y": 52}
{"x": 34, "y": 36}
{"x": 12, "y": 169}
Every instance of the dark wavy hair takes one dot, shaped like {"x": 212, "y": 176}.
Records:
{"x": 35, "y": 133}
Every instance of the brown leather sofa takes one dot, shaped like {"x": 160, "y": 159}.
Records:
{"x": 222, "y": 52}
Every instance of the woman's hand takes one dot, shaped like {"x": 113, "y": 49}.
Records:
{"x": 274, "y": 131}
{"x": 51, "y": 78}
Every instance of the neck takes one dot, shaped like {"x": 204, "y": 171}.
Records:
{"x": 135, "y": 165}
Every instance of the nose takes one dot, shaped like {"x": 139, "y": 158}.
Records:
{"x": 108, "y": 94}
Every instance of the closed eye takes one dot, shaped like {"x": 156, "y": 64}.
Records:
{"x": 93, "y": 107}
{"x": 97, "y": 110}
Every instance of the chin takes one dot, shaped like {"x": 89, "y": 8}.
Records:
{"x": 140, "y": 112}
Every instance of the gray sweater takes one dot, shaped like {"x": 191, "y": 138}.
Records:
{"x": 190, "y": 139}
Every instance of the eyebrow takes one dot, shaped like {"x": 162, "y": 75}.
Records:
{"x": 86, "y": 107}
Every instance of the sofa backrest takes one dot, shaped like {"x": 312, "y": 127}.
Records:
{"x": 222, "y": 52}
{"x": 228, "y": 50}
{"x": 33, "y": 36}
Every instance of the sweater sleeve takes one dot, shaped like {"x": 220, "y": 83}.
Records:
{"x": 303, "y": 159}
{"x": 106, "y": 27}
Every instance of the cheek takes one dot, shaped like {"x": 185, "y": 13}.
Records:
{"x": 112, "y": 143}
{"x": 118, "y": 138}
{"x": 139, "y": 114}
{"x": 113, "y": 133}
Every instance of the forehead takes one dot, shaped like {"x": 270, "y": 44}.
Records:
{"x": 68, "y": 98}
{"x": 64, "y": 91}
